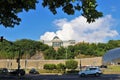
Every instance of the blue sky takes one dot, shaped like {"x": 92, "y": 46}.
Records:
{"x": 42, "y": 24}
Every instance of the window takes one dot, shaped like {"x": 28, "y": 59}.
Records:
{"x": 57, "y": 44}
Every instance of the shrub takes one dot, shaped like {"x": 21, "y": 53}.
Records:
{"x": 61, "y": 66}
{"x": 71, "y": 64}
{"x": 49, "y": 66}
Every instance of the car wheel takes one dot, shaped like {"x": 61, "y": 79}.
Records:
{"x": 97, "y": 74}
{"x": 82, "y": 75}
{"x": 22, "y": 73}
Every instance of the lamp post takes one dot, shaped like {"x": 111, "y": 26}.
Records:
{"x": 25, "y": 58}
{"x": 25, "y": 63}
{"x": 66, "y": 53}
{"x": 80, "y": 62}
{"x": 18, "y": 61}
{"x": 80, "y": 65}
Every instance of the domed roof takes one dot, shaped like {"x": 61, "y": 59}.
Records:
{"x": 56, "y": 39}
{"x": 112, "y": 55}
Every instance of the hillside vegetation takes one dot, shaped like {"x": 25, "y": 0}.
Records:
{"x": 28, "y": 48}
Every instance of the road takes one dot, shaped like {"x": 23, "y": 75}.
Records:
{"x": 60, "y": 77}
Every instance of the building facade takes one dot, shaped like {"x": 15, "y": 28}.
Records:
{"x": 57, "y": 42}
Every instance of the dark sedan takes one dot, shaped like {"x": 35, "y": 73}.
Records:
{"x": 33, "y": 71}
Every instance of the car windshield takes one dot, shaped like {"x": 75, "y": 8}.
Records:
{"x": 32, "y": 69}
{"x": 91, "y": 68}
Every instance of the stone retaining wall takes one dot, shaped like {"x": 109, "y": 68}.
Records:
{"x": 28, "y": 64}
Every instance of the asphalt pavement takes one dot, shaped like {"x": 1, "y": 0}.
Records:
{"x": 60, "y": 77}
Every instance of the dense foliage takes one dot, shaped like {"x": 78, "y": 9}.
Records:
{"x": 61, "y": 66}
{"x": 87, "y": 7}
{"x": 50, "y": 66}
{"x": 9, "y": 9}
{"x": 71, "y": 64}
{"x": 27, "y": 48}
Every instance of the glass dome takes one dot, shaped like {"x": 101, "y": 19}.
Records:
{"x": 112, "y": 56}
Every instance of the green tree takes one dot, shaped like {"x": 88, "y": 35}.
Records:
{"x": 50, "y": 53}
{"x": 9, "y": 9}
{"x": 29, "y": 47}
{"x": 61, "y": 53}
{"x": 101, "y": 49}
{"x": 26, "y": 46}
{"x": 88, "y": 7}
{"x": 92, "y": 49}
{"x": 82, "y": 48}
{"x": 113, "y": 44}
{"x": 71, "y": 52}
{"x": 6, "y": 49}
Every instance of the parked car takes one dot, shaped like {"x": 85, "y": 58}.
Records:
{"x": 103, "y": 66}
{"x": 90, "y": 71}
{"x": 33, "y": 71}
{"x": 20, "y": 72}
{"x": 3, "y": 71}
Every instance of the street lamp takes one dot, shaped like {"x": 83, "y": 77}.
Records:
{"x": 66, "y": 53}
{"x": 18, "y": 61}
{"x": 80, "y": 65}
{"x": 80, "y": 62}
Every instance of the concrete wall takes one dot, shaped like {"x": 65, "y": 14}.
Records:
{"x": 28, "y": 64}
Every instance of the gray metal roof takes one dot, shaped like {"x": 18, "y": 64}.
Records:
{"x": 112, "y": 55}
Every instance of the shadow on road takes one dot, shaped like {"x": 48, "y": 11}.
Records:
{"x": 60, "y": 77}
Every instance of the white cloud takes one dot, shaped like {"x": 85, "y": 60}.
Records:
{"x": 48, "y": 36}
{"x": 78, "y": 29}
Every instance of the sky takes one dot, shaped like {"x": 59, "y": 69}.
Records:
{"x": 41, "y": 24}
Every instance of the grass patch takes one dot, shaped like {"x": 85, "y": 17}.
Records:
{"x": 51, "y": 71}
{"x": 113, "y": 69}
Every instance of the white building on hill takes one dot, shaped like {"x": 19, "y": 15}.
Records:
{"x": 57, "y": 42}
